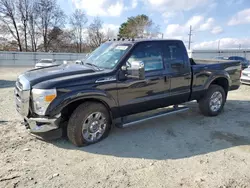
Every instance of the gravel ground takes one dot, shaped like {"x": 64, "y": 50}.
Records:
{"x": 182, "y": 150}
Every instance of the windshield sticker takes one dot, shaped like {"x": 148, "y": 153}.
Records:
{"x": 121, "y": 47}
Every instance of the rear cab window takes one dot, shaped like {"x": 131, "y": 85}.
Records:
{"x": 175, "y": 53}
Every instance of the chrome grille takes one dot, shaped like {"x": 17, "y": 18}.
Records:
{"x": 19, "y": 85}
{"x": 22, "y": 95}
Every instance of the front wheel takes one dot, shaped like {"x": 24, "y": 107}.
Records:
{"x": 213, "y": 102}
{"x": 88, "y": 124}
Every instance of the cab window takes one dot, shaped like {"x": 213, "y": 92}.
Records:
{"x": 174, "y": 53}
{"x": 150, "y": 53}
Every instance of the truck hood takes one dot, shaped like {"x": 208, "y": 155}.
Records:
{"x": 56, "y": 72}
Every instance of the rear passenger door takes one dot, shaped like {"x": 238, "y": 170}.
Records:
{"x": 179, "y": 70}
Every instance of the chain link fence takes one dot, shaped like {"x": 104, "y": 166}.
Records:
{"x": 31, "y": 58}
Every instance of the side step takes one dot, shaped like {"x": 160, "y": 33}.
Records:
{"x": 139, "y": 118}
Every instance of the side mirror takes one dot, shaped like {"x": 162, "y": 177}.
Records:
{"x": 135, "y": 70}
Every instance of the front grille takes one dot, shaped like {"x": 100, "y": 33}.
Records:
{"x": 19, "y": 85}
{"x": 22, "y": 95}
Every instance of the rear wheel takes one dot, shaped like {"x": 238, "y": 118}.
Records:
{"x": 213, "y": 102}
{"x": 88, "y": 124}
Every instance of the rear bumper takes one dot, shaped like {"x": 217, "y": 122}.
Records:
{"x": 42, "y": 125}
{"x": 245, "y": 81}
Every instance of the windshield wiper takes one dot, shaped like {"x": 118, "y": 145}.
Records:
{"x": 93, "y": 65}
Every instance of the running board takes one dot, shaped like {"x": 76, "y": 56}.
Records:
{"x": 129, "y": 121}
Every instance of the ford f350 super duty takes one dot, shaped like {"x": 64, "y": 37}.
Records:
{"x": 119, "y": 79}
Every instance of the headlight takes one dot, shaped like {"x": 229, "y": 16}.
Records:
{"x": 41, "y": 99}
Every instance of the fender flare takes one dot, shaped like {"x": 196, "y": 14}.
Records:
{"x": 63, "y": 101}
{"x": 225, "y": 75}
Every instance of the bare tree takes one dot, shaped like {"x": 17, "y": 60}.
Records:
{"x": 32, "y": 29}
{"x": 8, "y": 16}
{"x": 3, "y": 40}
{"x": 95, "y": 36}
{"x": 50, "y": 16}
{"x": 61, "y": 41}
{"x": 24, "y": 11}
{"x": 54, "y": 38}
{"x": 78, "y": 21}
{"x": 109, "y": 34}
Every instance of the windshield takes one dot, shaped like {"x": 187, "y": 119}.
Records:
{"x": 107, "y": 55}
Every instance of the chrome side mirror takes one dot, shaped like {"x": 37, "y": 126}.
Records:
{"x": 135, "y": 70}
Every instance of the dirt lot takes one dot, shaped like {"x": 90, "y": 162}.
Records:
{"x": 183, "y": 150}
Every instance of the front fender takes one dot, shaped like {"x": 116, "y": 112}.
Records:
{"x": 67, "y": 98}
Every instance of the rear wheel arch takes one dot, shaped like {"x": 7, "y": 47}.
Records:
{"x": 223, "y": 82}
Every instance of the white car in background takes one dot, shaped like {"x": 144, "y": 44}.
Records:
{"x": 46, "y": 63}
{"x": 245, "y": 76}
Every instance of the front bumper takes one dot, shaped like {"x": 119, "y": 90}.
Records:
{"x": 245, "y": 79}
{"x": 42, "y": 125}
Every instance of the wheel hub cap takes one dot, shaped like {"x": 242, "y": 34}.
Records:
{"x": 215, "y": 101}
{"x": 94, "y": 127}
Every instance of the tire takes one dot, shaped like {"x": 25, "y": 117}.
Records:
{"x": 204, "y": 104}
{"x": 80, "y": 123}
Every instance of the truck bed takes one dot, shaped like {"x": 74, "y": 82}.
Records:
{"x": 203, "y": 69}
{"x": 212, "y": 61}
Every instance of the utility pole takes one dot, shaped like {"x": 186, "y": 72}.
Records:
{"x": 190, "y": 37}
{"x": 219, "y": 45}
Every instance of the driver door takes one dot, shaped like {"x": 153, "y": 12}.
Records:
{"x": 142, "y": 95}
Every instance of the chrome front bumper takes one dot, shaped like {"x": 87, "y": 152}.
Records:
{"x": 22, "y": 99}
{"x": 22, "y": 95}
{"x": 42, "y": 125}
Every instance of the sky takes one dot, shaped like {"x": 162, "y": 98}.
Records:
{"x": 215, "y": 23}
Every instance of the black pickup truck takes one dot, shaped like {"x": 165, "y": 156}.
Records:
{"x": 119, "y": 79}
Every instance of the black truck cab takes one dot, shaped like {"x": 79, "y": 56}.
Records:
{"x": 119, "y": 79}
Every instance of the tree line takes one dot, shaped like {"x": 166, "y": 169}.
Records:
{"x": 40, "y": 25}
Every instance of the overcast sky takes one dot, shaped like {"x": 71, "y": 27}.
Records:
{"x": 212, "y": 20}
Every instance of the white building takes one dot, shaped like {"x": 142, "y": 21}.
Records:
{"x": 208, "y": 54}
